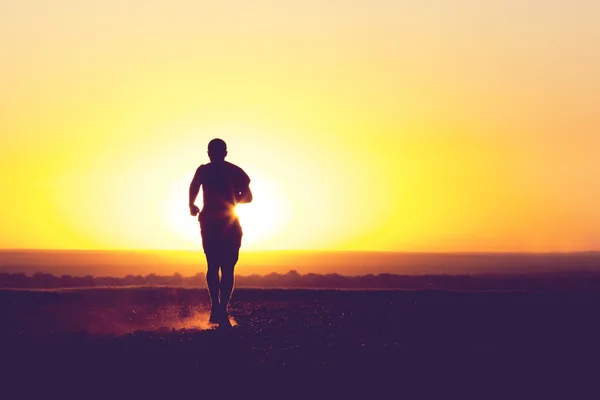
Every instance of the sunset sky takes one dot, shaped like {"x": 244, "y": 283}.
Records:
{"x": 364, "y": 125}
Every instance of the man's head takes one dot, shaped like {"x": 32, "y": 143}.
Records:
{"x": 217, "y": 150}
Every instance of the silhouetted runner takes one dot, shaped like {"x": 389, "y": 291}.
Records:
{"x": 224, "y": 185}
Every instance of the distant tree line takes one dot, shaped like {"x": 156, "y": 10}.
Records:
{"x": 540, "y": 281}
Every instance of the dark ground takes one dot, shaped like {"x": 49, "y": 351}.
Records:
{"x": 155, "y": 342}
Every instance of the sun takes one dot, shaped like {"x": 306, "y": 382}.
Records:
{"x": 262, "y": 219}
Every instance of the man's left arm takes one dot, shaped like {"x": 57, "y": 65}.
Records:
{"x": 244, "y": 194}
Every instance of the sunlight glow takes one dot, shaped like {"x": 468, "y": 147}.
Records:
{"x": 264, "y": 218}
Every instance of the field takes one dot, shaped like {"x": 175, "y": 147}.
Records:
{"x": 135, "y": 342}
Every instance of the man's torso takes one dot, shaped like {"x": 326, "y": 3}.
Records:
{"x": 220, "y": 184}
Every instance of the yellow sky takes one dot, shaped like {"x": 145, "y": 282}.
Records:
{"x": 364, "y": 125}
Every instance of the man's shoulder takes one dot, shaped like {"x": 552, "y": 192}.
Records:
{"x": 233, "y": 167}
{"x": 206, "y": 168}
{"x": 239, "y": 174}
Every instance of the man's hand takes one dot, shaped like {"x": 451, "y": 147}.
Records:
{"x": 194, "y": 210}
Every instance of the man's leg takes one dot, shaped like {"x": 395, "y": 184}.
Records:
{"x": 212, "y": 281}
{"x": 227, "y": 280}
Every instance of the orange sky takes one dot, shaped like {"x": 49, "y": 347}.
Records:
{"x": 363, "y": 125}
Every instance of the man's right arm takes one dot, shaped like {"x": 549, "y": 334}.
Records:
{"x": 194, "y": 190}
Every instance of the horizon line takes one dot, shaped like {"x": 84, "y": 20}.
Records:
{"x": 145, "y": 250}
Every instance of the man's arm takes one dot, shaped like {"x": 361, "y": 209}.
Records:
{"x": 244, "y": 196}
{"x": 194, "y": 190}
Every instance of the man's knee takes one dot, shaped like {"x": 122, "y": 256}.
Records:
{"x": 212, "y": 270}
{"x": 228, "y": 266}
{"x": 227, "y": 271}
